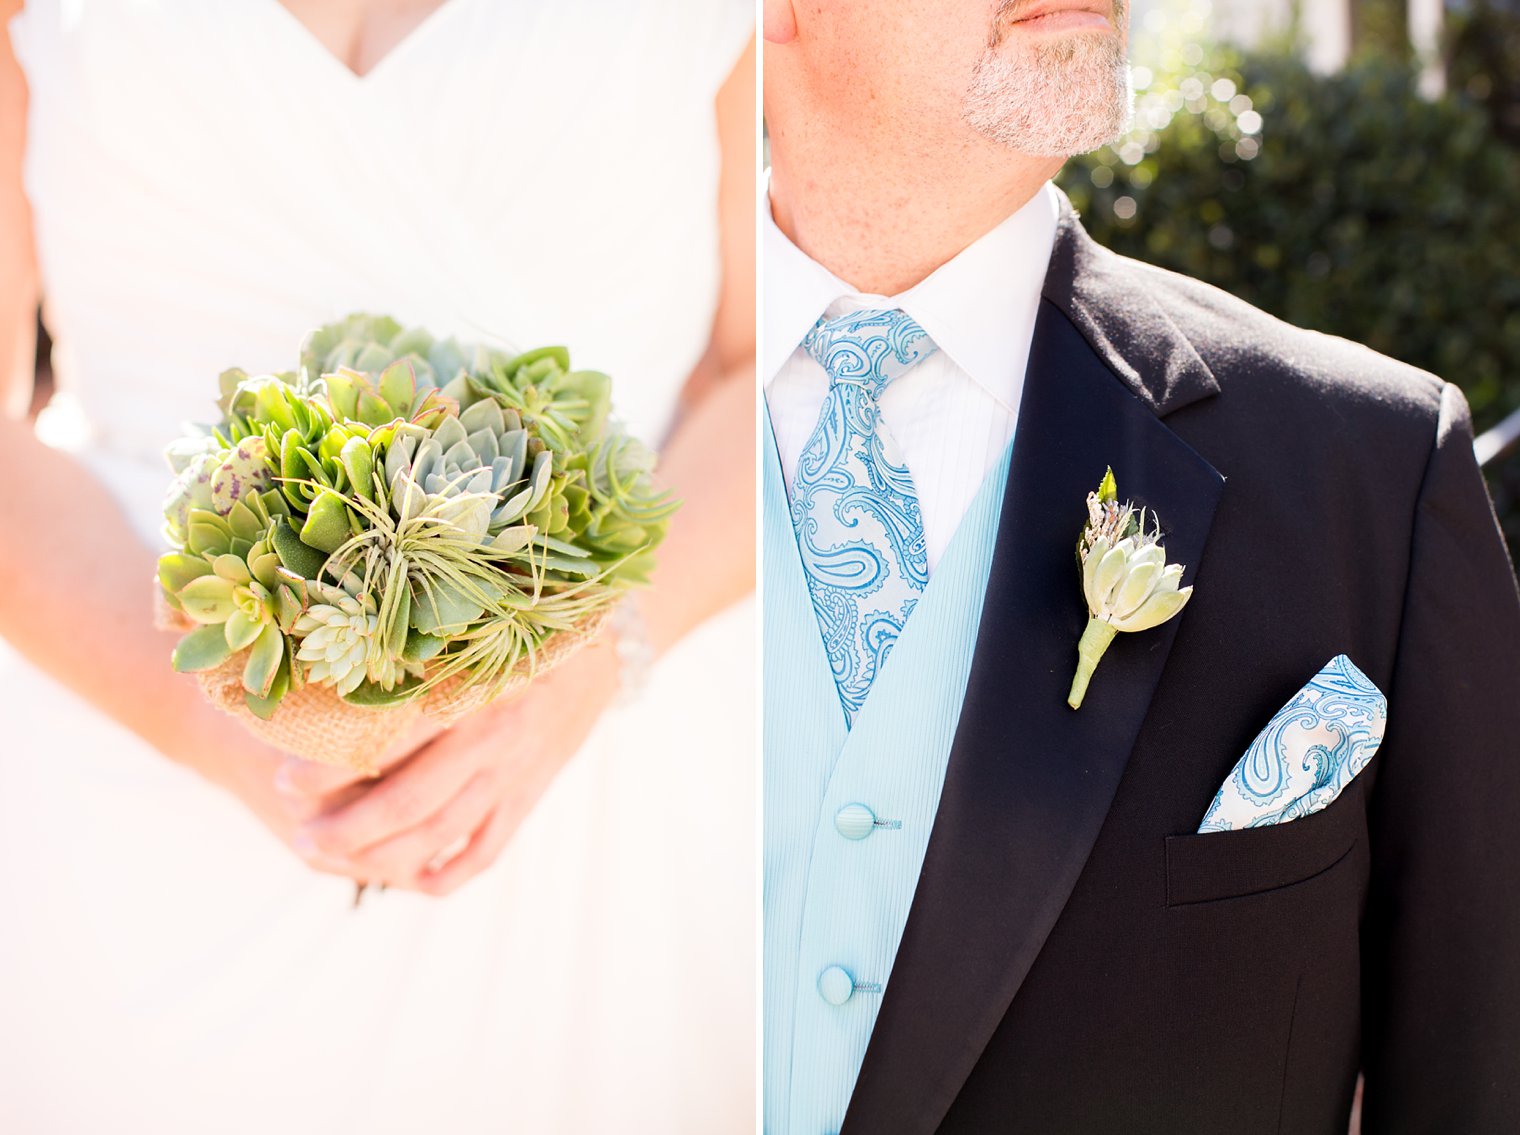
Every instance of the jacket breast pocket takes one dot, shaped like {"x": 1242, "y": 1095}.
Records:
{"x": 1208, "y": 866}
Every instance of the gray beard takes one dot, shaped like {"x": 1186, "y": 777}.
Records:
{"x": 1054, "y": 98}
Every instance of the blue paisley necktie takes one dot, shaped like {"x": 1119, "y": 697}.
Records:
{"x": 853, "y": 503}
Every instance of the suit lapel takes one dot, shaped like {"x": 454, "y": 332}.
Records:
{"x": 1029, "y": 780}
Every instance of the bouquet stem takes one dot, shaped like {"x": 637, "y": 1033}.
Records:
{"x": 1095, "y": 639}
{"x": 360, "y": 888}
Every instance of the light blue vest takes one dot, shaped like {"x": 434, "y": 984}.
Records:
{"x": 848, "y": 813}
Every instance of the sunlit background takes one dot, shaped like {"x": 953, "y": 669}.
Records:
{"x": 1349, "y": 165}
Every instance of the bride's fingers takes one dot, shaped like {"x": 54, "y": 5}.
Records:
{"x": 409, "y": 743}
{"x": 296, "y": 778}
{"x": 484, "y": 846}
{"x": 400, "y": 860}
{"x": 309, "y": 787}
{"x": 402, "y": 799}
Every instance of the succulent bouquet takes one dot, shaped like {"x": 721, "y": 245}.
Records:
{"x": 401, "y": 525}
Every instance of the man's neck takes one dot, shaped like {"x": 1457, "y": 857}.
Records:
{"x": 882, "y": 223}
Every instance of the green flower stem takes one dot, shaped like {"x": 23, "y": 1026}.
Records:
{"x": 1095, "y": 639}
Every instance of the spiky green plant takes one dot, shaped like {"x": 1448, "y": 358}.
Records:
{"x": 435, "y": 573}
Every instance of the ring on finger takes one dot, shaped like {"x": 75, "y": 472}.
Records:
{"x": 448, "y": 854}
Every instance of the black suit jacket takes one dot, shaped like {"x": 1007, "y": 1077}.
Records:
{"x": 1077, "y": 960}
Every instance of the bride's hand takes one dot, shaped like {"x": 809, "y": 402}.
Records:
{"x": 280, "y": 790}
{"x": 225, "y": 753}
{"x": 440, "y": 816}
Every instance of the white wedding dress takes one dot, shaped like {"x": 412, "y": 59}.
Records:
{"x": 208, "y": 182}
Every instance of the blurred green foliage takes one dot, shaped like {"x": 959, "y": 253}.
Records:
{"x": 1347, "y": 203}
{"x": 1379, "y": 27}
{"x": 1482, "y": 55}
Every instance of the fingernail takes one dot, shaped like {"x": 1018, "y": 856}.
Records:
{"x": 282, "y": 782}
{"x": 303, "y": 844}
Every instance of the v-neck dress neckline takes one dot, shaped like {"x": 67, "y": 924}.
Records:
{"x": 288, "y": 23}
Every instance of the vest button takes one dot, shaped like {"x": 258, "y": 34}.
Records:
{"x": 835, "y": 985}
{"x": 854, "y": 821}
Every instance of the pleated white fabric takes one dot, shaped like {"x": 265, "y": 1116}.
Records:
{"x": 208, "y": 182}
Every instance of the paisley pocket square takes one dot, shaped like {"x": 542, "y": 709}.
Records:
{"x": 1310, "y": 750}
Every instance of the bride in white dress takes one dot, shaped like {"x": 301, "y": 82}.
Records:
{"x": 190, "y": 185}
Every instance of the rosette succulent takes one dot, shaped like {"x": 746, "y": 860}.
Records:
{"x": 341, "y": 643}
{"x": 1126, "y": 580}
{"x": 567, "y": 408}
{"x": 485, "y": 460}
{"x": 231, "y": 578}
{"x": 623, "y": 516}
{"x": 369, "y": 344}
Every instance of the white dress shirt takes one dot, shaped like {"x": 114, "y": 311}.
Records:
{"x": 953, "y": 414}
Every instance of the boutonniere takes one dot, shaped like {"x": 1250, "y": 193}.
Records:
{"x": 1128, "y": 583}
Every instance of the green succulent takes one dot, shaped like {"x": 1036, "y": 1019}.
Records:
{"x": 567, "y": 408}
{"x": 395, "y": 394}
{"x": 371, "y": 343}
{"x": 194, "y": 461}
{"x": 317, "y": 457}
{"x": 210, "y": 534}
{"x": 338, "y": 635}
{"x": 496, "y": 471}
{"x": 624, "y": 516}
{"x": 250, "y": 403}
{"x": 232, "y": 579}
{"x": 561, "y": 404}
{"x": 318, "y": 472}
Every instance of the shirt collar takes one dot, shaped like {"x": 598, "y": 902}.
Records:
{"x": 978, "y": 306}
{"x": 796, "y": 291}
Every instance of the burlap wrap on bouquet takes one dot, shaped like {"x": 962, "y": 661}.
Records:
{"x": 314, "y": 723}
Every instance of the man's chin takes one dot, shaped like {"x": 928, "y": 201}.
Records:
{"x": 1056, "y": 105}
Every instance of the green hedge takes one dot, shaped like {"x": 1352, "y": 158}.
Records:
{"x": 1347, "y": 203}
